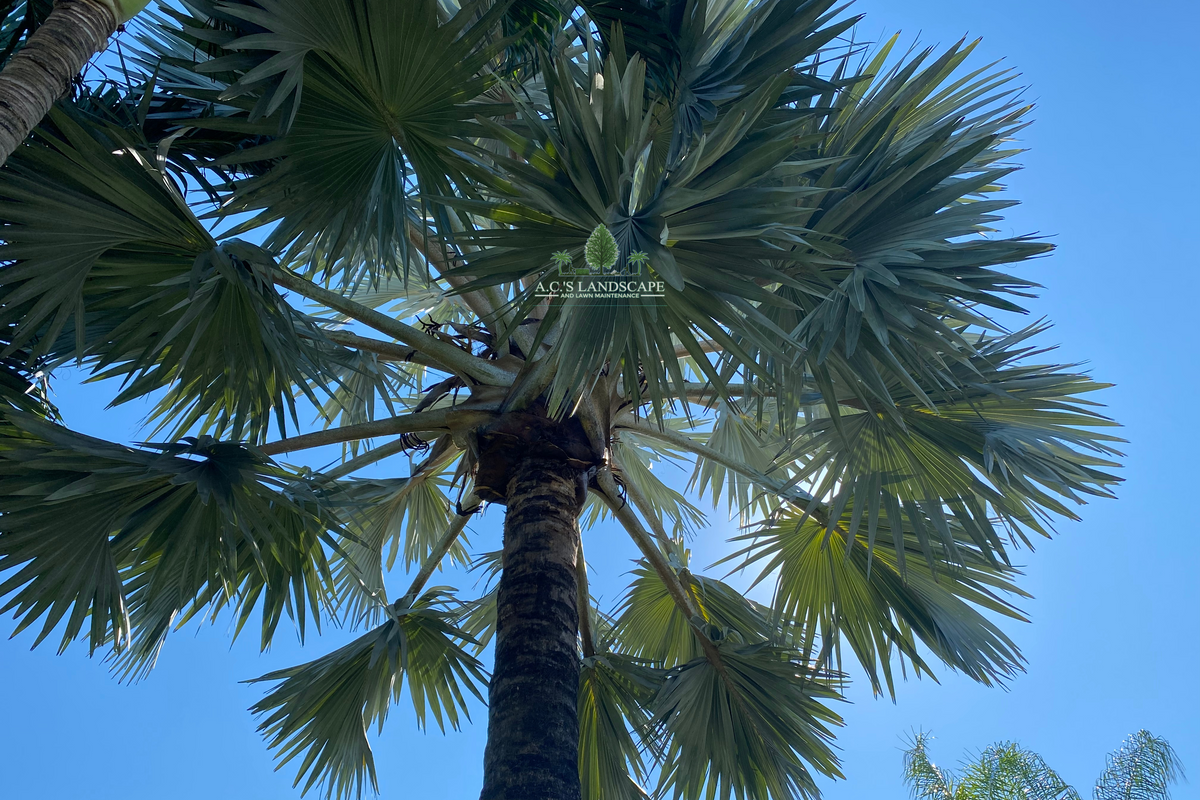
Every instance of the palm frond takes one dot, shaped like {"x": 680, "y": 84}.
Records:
{"x": 1005, "y": 768}
{"x": 713, "y": 54}
{"x": 366, "y": 101}
{"x": 321, "y": 711}
{"x": 746, "y": 726}
{"x": 834, "y": 589}
{"x": 18, "y": 20}
{"x": 742, "y": 438}
{"x": 615, "y": 692}
{"x": 650, "y": 625}
{"x": 128, "y": 540}
{"x": 1000, "y": 455}
{"x": 23, "y": 380}
{"x": 924, "y": 778}
{"x": 915, "y": 155}
{"x": 704, "y": 227}
{"x": 78, "y": 194}
{"x": 232, "y": 357}
{"x": 1143, "y": 769}
{"x": 105, "y": 263}
{"x": 384, "y": 519}
{"x": 363, "y": 387}
{"x": 639, "y": 465}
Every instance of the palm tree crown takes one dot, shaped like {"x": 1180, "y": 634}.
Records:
{"x": 357, "y": 205}
{"x": 1142, "y": 769}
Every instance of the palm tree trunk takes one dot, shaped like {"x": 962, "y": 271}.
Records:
{"x": 533, "y": 729}
{"x": 43, "y": 70}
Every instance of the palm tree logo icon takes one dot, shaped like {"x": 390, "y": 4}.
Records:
{"x": 635, "y": 261}
{"x": 562, "y": 259}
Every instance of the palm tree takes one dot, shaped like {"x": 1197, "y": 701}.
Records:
{"x": 56, "y": 39}
{"x": 637, "y": 258}
{"x": 823, "y": 352}
{"x": 1143, "y": 769}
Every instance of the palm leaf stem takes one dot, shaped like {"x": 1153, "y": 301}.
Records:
{"x": 610, "y": 494}
{"x": 389, "y": 350}
{"x": 643, "y": 505}
{"x": 533, "y": 379}
{"x": 433, "y": 420}
{"x": 707, "y": 394}
{"x": 621, "y": 510}
{"x": 451, "y": 358}
{"x": 486, "y": 303}
{"x": 584, "y": 599}
{"x": 443, "y": 452}
{"x": 706, "y": 346}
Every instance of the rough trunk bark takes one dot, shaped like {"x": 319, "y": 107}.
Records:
{"x": 43, "y": 70}
{"x": 533, "y": 729}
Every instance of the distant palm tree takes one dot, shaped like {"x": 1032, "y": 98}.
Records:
{"x": 1143, "y": 769}
{"x": 824, "y": 358}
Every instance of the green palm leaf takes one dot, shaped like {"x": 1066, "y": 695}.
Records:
{"x": 615, "y": 692}
{"x": 364, "y": 92}
{"x": 747, "y": 726}
{"x": 128, "y": 540}
{"x": 1143, "y": 769}
{"x": 321, "y": 711}
{"x": 703, "y": 228}
{"x": 650, "y": 626}
{"x": 1013, "y": 442}
{"x": 23, "y": 382}
{"x": 743, "y": 438}
{"x": 69, "y": 202}
{"x": 18, "y": 22}
{"x": 835, "y": 590}
{"x": 641, "y": 466}
{"x": 386, "y": 518}
{"x": 916, "y": 154}
{"x": 106, "y": 263}
{"x": 924, "y": 778}
{"x": 701, "y": 50}
{"x": 365, "y": 387}
{"x": 1003, "y": 771}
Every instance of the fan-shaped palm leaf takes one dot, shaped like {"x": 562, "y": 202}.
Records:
{"x": 401, "y": 515}
{"x": 651, "y": 626}
{"x": 834, "y": 589}
{"x": 745, "y": 726}
{"x": 131, "y": 538}
{"x": 1014, "y": 440}
{"x": 615, "y": 691}
{"x": 105, "y": 262}
{"x": 321, "y": 711}
{"x": 365, "y": 91}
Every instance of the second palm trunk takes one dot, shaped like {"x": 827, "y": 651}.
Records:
{"x": 533, "y": 730}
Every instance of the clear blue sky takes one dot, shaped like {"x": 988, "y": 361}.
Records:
{"x": 1112, "y": 175}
